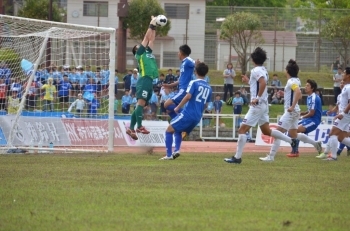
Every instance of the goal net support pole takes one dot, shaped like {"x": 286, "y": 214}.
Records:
{"x": 29, "y": 83}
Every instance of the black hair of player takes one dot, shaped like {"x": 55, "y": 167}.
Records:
{"x": 347, "y": 70}
{"x": 202, "y": 69}
{"x": 292, "y": 68}
{"x": 313, "y": 84}
{"x": 238, "y": 93}
{"x": 134, "y": 49}
{"x": 65, "y": 75}
{"x": 258, "y": 56}
{"x": 185, "y": 50}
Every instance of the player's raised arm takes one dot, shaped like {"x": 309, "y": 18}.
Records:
{"x": 150, "y": 34}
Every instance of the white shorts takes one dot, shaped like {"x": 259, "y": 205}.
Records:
{"x": 257, "y": 115}
{"x": 343, "y": 124}
{"x": 289, "y": 120}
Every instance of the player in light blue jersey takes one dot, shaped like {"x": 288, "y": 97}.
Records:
{"x": 198, "y": 94}
{"x": 186, "y": 71}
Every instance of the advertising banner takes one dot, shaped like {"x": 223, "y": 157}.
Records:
{"x": 77, "y": 132}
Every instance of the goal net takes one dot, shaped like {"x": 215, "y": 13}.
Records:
{"x": 56, "y": 86}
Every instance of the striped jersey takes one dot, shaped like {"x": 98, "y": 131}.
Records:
{"x": 257, "y": 73}
{"x": 291, "y": 86}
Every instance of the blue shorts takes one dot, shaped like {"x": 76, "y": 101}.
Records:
{"x": 179, "y": 96}
{"x": 183, "y": 124}
{"x": 309, "y": 125}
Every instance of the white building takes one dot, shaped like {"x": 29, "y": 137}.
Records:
{"x": 286, "y": 43}
{"x": 187, "y": 20}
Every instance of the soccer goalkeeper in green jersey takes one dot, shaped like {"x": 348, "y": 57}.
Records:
{"x": 148, "y": 72}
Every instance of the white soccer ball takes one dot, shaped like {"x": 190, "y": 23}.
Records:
{"x": 222, "y": 125}
{"x": 161, "y": 20}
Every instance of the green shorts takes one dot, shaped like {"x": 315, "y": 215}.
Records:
{"x": 144, "y": 88}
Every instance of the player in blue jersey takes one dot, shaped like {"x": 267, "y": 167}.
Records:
{"x": 198, "y": 94}
{"x": 186, "y": 71}
{"x": 309, "y": 121}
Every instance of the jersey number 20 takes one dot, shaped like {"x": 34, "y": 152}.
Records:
{"x": 203, "y": 94}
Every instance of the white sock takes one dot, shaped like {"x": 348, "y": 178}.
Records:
{"x": 275, "y": 146}
{"x": 326, "y": 150}
{"x": 346, "y": 141}
{"x": 306, "y": 139}
{"x": 242, "y": 139}
{"x": 333, "y": 144}
{"x": 279, "y": 135}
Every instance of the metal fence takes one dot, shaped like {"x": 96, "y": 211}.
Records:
{"x": 312, "y": 51}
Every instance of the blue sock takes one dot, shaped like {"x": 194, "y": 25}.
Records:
{"x": 178, "y": 140}
{"x": 171, "y": 112}
{"x": 340, "y": 148}
{"x": 169, "y": 143}
{"x": 296, "y": 149}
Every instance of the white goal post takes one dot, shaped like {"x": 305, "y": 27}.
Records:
{"x": 41, "y": 119}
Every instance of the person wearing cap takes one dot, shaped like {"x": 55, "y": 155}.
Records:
{"x": 149, "y": 71}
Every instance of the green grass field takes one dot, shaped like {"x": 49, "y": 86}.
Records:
{"x": 194, "y": 192}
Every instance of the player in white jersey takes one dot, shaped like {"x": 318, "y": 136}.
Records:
{"x": 340, "y": 129}
{"x": 305, "y": 124}
{"x": 258, "y": 112}
{"x": 338, "y": 109}
{"x": 290, "y": 118}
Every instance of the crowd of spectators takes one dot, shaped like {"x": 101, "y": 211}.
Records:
{"x": 55, "y": 88}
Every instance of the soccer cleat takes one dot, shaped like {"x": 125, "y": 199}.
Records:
{"x": 330, "y": 159}
{"x": 142, "y": 130}
{"x": 322, "y": 155}
{"x": 268, "y": 158}
{"x": 167, "y": 158}
{"x": 233, "y": 160}
{"x": 132, "y": 134}
{"x": 319, "y": 147}
{"x": 175, "y": 155}
{"x": 296, "y": 154}
{"x": 183, "y": 135}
